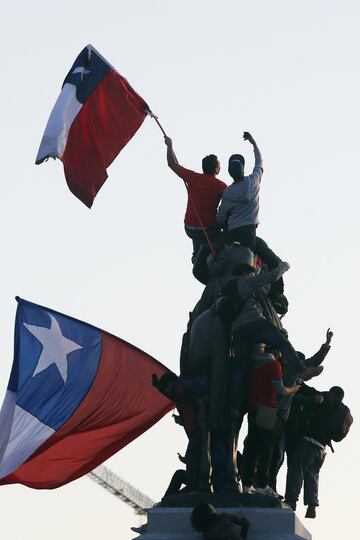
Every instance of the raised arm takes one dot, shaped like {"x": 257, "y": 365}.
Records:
{"x": 259, "y": 167}
{"x": 249, "y": 284}
{"x": 171, "y": 157}
{"x": 320, "y": 355}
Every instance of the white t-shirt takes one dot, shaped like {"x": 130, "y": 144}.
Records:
{"x": 240, "y": 202}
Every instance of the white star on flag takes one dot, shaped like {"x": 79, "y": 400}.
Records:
{"x": 56, "y": 347}
{"x": 83, "y": 71}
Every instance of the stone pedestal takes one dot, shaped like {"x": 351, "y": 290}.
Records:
{"x": 265, "y": 524}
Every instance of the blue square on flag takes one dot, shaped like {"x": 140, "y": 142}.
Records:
{"x": 95, "y": 116}
{"x": 76, "y": 395}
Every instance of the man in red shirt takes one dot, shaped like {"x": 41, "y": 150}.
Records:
{"x": 265, "y": 388}
{"x": 204, "y": 194}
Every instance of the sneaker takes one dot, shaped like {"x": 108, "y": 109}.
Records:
{"x": 140, "y": 530}
{"x": 290, "y": 504}
{"x": 249, "y": 489}
{"x": 267, "y": 490}
{"x": 311, "y": 512}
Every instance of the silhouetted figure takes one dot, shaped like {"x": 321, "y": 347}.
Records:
{"x": 293, "y": 411}
{"x": 308, "y": 458}
{"x": 214, "y": 526}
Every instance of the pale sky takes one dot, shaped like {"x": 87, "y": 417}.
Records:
{"x": 285, "y": 71}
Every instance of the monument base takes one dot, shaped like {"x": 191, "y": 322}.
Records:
{"x": 265, "y": 524}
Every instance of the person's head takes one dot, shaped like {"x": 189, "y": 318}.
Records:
{"x": 243, "y": 261}
{"x": 243, "y": 270}
{"x": 337, "y": 392}
{"x": 236, "y": 167}
{"x": 202, "y": 515}
{"x": 166, "y": 383}
{"x": 211, "y": 165}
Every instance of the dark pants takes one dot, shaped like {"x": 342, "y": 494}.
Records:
{"x": 177, "y": 480}
{"x": 292, "y": 442}
{"x": 247, "y": 237}
{"x": 304, "y": 468}
{"x": 263, "y": 331}
{"x": 218, "y": 460}
{"x": 278, "y": 454}
{"x": 192, "y": 457}
{"x": 198, "y": 237}
{"x": 258, "y": 448}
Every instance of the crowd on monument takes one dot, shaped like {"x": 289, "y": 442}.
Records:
{"x": 236, "y": 357}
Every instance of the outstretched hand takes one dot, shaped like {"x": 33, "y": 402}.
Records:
{"x": 181, "y": 458}
{"x": 329, "y": 336}
{"x": 248, "y": 137}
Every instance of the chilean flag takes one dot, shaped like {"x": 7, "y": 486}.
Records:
{"x": 76, "y": 395}
{"x": 95, "y": 116}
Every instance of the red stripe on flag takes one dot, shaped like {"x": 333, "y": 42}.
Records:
{"x": 107, "y": 121}
{"x": 120, "y": 406}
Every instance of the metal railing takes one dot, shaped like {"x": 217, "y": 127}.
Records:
{"x": 122, "y": 489}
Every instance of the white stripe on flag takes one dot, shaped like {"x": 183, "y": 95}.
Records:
{"x": 62, "y": 116}
{"x": 6, "y": 420}
{"x": 26, "y": 435}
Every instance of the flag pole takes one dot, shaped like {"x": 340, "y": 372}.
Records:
{"x": 152, "y": 115}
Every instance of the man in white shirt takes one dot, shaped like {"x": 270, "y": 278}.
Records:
{"x": 239, "y": 208}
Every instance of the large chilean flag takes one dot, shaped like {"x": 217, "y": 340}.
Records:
{"x": 95, "y": 116}
{"x": 76, "y": 395}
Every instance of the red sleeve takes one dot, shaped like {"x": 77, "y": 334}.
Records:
{"x": 222, "y": 186}
{"x": 187, "y": 175}
{"x": 276, "y": 371}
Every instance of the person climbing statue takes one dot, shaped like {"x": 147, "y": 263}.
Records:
{"x": 204, "y": 194}
{"x": 238, "y": 213}
{"x": 239, "y": 208}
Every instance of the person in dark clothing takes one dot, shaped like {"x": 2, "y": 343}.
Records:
{"x": 265, "y": 387}
{"x": 321, "y": 354}
{"x": 302, "y": 408}
{"x": 177, "y": 480}
{"x": 184, "y": 393}
{"x": 214, "y": 526}
{"x": 288, "y": 435}
{"x": 305, "y": 465}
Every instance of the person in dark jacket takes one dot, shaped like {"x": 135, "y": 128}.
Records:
{"x": 294, "y": 412}
{"x": 214, "y": 526}
{"x": 305, "y": 465}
